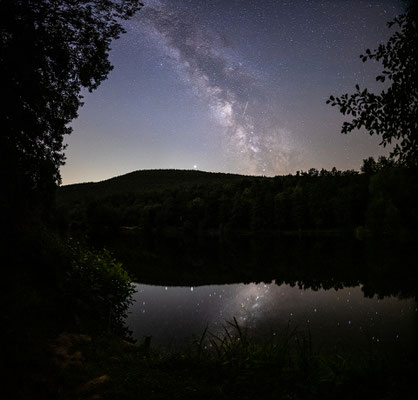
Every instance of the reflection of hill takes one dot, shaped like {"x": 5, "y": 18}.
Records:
{"x": 383, "y": 269}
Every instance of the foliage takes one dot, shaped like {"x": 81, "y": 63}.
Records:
{"x": 65, "y": 284}
{"x": 53, "y": 286}
{"x": 202, "y": 202}
{"x": 392, "y": 114}
{"x": 370, "y": 166}
{"x": 49, "y": 51}
{"x": 101, "y": 288}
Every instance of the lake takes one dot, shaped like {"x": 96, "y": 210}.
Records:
{"x": 174, "y": 316}
{"x": 343, "y": 292}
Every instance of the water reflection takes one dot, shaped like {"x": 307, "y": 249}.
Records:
{"x": 173, "y": 315}
{"x": 382, "y": 268}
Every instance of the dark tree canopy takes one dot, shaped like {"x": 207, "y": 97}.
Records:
{"x": 49, "y": 51}
{"x": 392, "y": 114}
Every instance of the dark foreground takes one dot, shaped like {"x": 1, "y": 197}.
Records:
{"x": 106, "y": 367}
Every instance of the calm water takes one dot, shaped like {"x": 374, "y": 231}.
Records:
{"x": 173, "y": 316}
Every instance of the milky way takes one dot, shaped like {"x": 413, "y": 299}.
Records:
{"x": 231, "y": 86}
{"x": 253, "y": 138}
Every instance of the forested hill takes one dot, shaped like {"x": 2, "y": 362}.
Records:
{"x": 383, "y": 201}
{"x": 145, "y": 181}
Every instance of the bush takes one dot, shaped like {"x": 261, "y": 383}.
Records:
{"x": 99, "y": 288}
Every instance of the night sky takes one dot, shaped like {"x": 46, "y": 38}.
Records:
{"x": 231, "y": 86}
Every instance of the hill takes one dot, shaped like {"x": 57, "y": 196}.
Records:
{"x": 144, "y": 181}
{"x": 199, "y": 202}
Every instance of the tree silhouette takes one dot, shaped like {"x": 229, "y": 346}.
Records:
{"x": 392, "y": 114}
{"x": 49, "y": 51}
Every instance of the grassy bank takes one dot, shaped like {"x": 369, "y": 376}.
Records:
{"x": 226, "y": 367}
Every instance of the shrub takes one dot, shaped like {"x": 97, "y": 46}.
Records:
{"x": 100, "y": 289}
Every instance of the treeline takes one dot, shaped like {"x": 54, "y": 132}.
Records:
{"x": 381, "y": 200}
